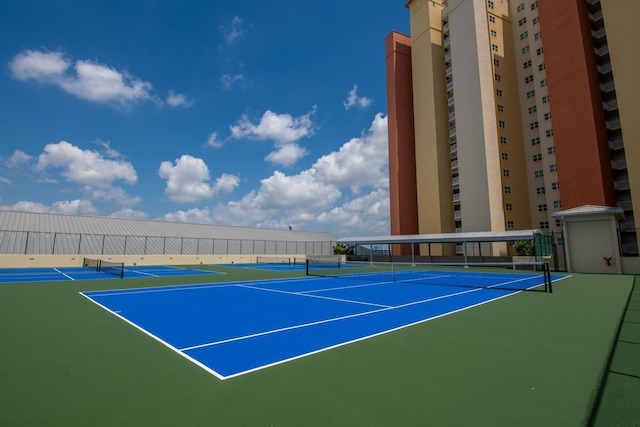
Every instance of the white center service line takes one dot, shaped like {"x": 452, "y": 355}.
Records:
{"x": 319, "y": 322}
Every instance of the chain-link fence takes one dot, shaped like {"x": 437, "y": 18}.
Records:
{"x": 30, "y": 242}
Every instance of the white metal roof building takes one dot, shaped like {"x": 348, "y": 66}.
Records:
{"x": 44, "y": 233}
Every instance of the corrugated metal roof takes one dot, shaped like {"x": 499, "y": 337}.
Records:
{"x": 57, "y": 223}
{"x": 480, "y": 236}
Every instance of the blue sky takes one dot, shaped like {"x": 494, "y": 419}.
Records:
{"x": 232, "y": 113}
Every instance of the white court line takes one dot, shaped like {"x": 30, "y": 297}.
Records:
{"x": 64, "y": 274}
{"x": 312, "y": 296}
{"x": 335, "y": 319}
{"x": 142, "y": 273}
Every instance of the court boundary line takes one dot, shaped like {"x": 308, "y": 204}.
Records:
{"x": 221, "y": 377}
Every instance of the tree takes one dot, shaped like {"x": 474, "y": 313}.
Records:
{"x": 524, "y": 247}
{"x": 341, "y": 249}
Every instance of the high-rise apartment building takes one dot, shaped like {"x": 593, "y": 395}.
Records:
{"x": 502, "y": 113}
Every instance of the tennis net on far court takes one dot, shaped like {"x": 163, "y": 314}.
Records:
{"x": 273, "y": 260}
{"x": 91, "y": 263}
{"x": 115, "y": 268}
{"x": 514, "y": 276}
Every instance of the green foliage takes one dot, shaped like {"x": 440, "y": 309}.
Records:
{"x": 341, "y": 249}
{"x": 523, "y": 247}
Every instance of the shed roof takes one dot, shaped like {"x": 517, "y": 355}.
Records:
{"x": 588, "y": 210}
{"x": 57, "y": 223}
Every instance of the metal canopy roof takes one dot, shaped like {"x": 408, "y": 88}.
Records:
{"x": 476, "y": 236}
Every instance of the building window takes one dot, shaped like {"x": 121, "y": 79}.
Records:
{"x": 533, "y": 109}
{"x": 505, "y": 156}
{"x": 510, "y": 225}
{"x": 528, "y": 79}
{"x": 501, "y": 108}
{"x": 533, "y": 125}
{"x": 544, "y": 224}
{"x": 535, "y": 141}
{"x": 492, "y": 19}
{"x": 542, "y": 207}
{"x": 498, "y": 92}
{"x": 494, "y": 47}
{"x": 539, "y": 51}
{"x": 539, "y": 173}
{"x": 537, "y": 36}
{"x": 521, "y": 7}
{"x": 543, "y": 82}
{"x": 540, "y": 191}
{"x": 507, "y": 190}
{"x": 545, "y": 99}
{"x": 537, "y": 157}
{"x": 541, "y": 67}
{"x": 558, "y": 223}
{"x": 522, "y": 21}
{"x": 549, "y": 132}
{"x": 497, "y": 77}
{"x": 534, "y": 5}
{"x": 531, "y": 94}
{"x": 557, "y": 204}
{"x": 503, "y": 140}
{"x": 505, "y": 172}
{"x": 547, "y": 116}
{"x": 551, "y": 150}
{"x": 526, "y": 64}
{"x": 502, "y": 124}
{"x": 555, "y": 186}
{"x": 490, "y": 4}
{"x": 508, "y": 207}
{"x": 496, "y": 62}
{"x": 536, "y": 20}
{"x": 553, "y": 168}
{"x": 525, "y": 49}
{"x": 524, "y": 35}
{"x": 494, "y": 33}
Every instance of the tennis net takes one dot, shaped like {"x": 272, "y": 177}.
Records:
{"x": 91, "y": 263}
{"x": 273, "y": 260}
{"x": 115, "y": 268}
{"x": 513, "y": 276}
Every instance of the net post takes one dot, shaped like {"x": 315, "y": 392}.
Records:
{"x": 547, "y": 277}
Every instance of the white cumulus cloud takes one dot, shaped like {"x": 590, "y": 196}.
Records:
{"x": 85, "y": 79}
{"x": 86, "y": 167}
{"x": 188, "y": 180}
{"x": 283, "y": 129}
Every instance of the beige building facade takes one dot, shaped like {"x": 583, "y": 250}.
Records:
{"x": 489, "y": 156}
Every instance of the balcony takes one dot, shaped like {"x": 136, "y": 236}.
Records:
{"x": 616, "y": 143}
{"x": 599, "y": 33}
{"x": 613, "y": 124}
{"x": 607, "y": 87}
{"x": 604, "y": 69}
{"x": 457, "y": 215}
{"x": 610, "y": 106}
{"x": 602, "y": 51}
{"x": 622, "y": 184}
{"x": 454, "y": 168}
{"x": 596, "y": 16}
{"x": 619, "y": 164}
{"x": 454, "y": 148}
{"x": 626, "y": 205}
{"x": 456, "y": 197}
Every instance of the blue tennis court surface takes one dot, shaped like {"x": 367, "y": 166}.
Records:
{"x": 231, "y": 329}
{"x": 11, "y": 275}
